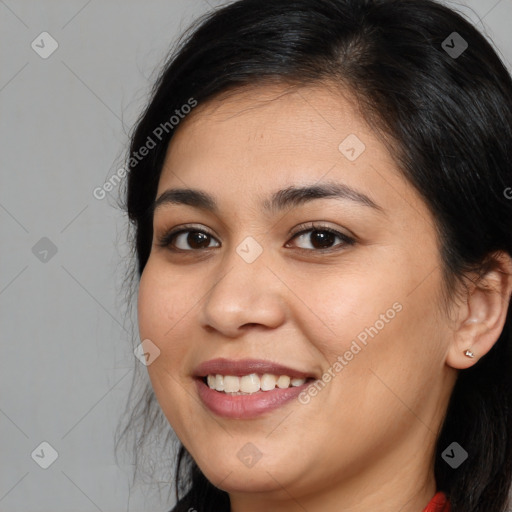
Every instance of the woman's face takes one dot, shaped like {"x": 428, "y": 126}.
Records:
{"x": 352, "y": 303}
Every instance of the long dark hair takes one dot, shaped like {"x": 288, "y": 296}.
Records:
{"x": 443, "y": 101}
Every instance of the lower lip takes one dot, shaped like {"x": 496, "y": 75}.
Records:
{"x": 246, "y": 406}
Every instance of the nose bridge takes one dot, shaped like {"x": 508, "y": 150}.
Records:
{"x": 245, "y": 293}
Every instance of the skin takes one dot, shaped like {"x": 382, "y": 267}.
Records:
{"x": 366, "y": 441}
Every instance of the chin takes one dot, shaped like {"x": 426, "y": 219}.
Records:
{"x": 234, "y": 476}
{"x": 248, "y": 482}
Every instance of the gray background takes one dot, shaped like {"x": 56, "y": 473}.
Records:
{"x": 67, "y": 359}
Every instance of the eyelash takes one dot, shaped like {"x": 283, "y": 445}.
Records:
{"x": 167, "y": 238}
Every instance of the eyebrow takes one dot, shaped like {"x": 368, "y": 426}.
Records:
{"x": 286, "y": 198}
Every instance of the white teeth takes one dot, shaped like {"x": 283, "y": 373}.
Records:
{"x": 251, "y": 383}
{"x": 268, "y": 382}
{"x": 283, "y": 382}
{"x": 231, "y": 384}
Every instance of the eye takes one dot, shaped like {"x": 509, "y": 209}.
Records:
{"x": 189, "y": 239}
{"x": 178, "y": 239}
{"x": 321, "y": 238}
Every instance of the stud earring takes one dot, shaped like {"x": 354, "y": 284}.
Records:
{"x": 469, "y": 354}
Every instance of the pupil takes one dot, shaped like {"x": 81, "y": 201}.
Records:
{"x": 322, "y": 239}
{"x": 197, "y": 240}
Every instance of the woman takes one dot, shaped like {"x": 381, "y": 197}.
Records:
{"x": 318, "y": 190}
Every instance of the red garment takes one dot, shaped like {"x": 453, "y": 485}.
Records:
{"x": 439, "y": 503}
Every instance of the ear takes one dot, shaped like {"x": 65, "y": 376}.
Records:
{"x": 482, "y": 314}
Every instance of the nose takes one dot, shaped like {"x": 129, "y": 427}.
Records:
{"x": 245, "y": 295}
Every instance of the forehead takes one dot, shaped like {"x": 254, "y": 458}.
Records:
{"x": 261, "y": 139}
{"x": 299, "y": 121}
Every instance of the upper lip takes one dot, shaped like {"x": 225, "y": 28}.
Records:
{"x": 238, "y": 368}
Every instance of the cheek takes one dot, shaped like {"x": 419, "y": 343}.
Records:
{"x": 161, "y": 303}
{"x": 162, "y": 307}
{"x": 346, "y": 304}
{"x": 163, "y": 313}
{"x": 381, "y": 323}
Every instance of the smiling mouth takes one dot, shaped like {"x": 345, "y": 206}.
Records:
{"x": 252, "y": 383}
